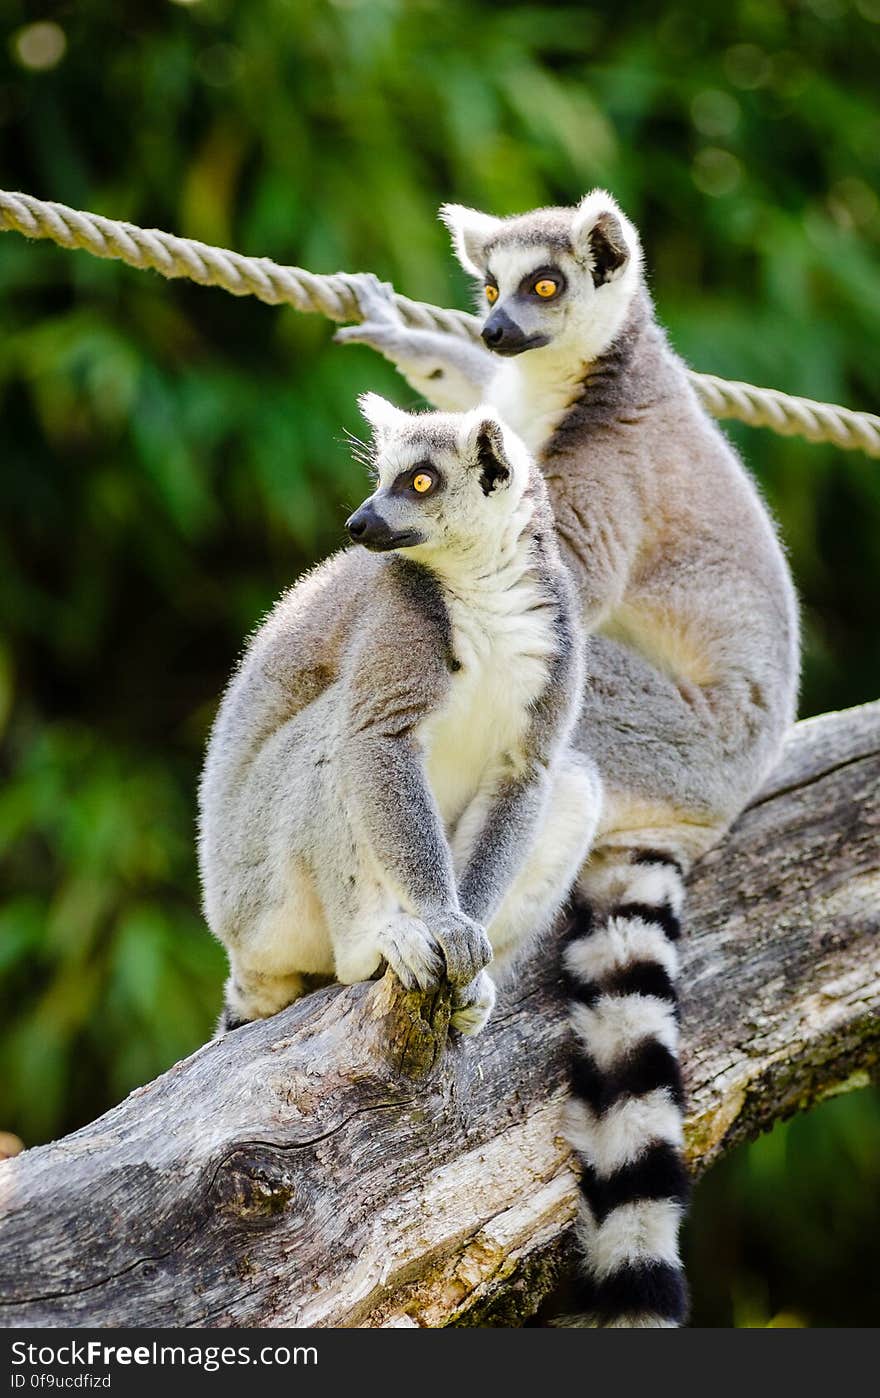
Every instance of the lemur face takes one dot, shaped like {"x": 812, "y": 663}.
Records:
{"x": 529, "y": 293}
{"x": 447, "y": 482}
{"x": 556, "y": 278}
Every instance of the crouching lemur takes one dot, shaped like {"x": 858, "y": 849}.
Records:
{"x": 390, "y": 777}
{"x": 690, "y": 681}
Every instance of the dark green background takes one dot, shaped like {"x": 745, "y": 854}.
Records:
{"x": 172, "y": 457}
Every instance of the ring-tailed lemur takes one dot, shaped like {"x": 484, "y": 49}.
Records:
{"x": 420, "y": 787}
{"x": 691, "y": 679}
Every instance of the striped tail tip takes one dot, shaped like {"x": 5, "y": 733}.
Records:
{"x": 624, "y": 1115}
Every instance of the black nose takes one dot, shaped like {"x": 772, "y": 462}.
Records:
{"x": 366, "y": 526}
{"x": 494, "y": 330}
{"x": 503, "y": 335}
{"x": 364, "y": 523}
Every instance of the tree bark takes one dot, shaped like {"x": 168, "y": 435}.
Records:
{"x": 341, "y": 1165}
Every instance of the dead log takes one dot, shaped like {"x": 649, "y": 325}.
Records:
{"x": 340, "y": 1166}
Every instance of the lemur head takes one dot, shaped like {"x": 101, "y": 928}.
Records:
{"x": 450, "y": 485}
{"x": 559, "y": 280}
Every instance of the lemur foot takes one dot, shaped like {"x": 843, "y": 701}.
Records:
{"x": 228, "y": 1021}
{"x": 473, "y": 1004}
{"x": 464, "y": 944}
{"x": 411, "y": 951}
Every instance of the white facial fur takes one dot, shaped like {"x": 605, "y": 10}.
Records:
{"x": 482, "y": 470}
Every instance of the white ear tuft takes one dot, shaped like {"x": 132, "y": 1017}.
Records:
{"x": 470, "y": 231}
{"x": 602, "y": 234}
{"x": 382, "y": 416}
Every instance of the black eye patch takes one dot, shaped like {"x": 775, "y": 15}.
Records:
{"x": 412, "y": 482}
{"x": 540, "y": 274}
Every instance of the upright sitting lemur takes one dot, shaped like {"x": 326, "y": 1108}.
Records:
{"x": 422, "y": 791}
{"x": 691, "y": 678}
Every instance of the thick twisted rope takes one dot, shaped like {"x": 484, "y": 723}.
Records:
{"x": 336, "y": 296}
{"x": 333, "y": 296}
{"x": 788, "y": 415}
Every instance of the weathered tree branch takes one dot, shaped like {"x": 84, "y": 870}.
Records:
{"x": 333, "y": 1166}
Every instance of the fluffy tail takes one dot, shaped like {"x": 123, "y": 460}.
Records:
{"x": 624, "y": 1117}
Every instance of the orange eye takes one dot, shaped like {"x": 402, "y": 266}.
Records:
{"x": 422, "y": 483}
{"x": 491, "y": 294}
{"x": 546, "y": 287}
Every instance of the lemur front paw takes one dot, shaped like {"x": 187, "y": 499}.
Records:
{"x": 381, "y": 326}
{"x": 411, "y": 951}
{"x": 473, "y": 1004}
{"x": 464, "y": 944}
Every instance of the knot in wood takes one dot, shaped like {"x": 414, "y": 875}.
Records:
{"x": 253, "y": 1185}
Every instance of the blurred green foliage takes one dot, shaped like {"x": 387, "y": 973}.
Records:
{"x": 786, "y": 1232}
{"x": 173, "y": 457}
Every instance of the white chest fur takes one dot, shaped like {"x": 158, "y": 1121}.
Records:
{"x": 533, "y": 393}
{"x": 503, "y": 638}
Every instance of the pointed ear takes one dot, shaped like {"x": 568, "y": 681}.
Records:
{"x": 483, "y": 445}
{"x": 470, "y": 231}
{"x": 603, "y": 236}
{"x": 382, "y": 416}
